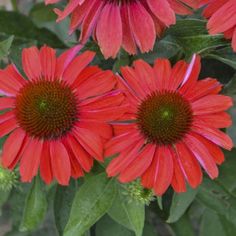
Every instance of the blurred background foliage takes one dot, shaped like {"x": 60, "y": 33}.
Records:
{"x": 96, "y": 206}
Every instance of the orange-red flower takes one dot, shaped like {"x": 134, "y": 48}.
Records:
{"x": 56, "y": 118}
{"x": 222, "y": 18}
{"x": 172, "y": 127}
{"x": 130, "y": 24}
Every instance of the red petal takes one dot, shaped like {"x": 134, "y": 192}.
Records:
{"x": 65, "y": 59}
{"x": 109, "y": 30}
{"x": 77, "y": 65}
{"x": 12, "y": 147}
{"x": 6, "y": 103}
{"x": 31, "y": 63}
{"x": 126, "y": 157}
{"x": 144, "y": 36}
{"x": 7, "y": 126}
{"x": 85, "y": 160}
{"x": 91, "y": 142}
{"x": 211, "y": 104}
{"x": 162, "y": 70}
{"x": 162, "y": 10}
{"x": 188, "y": 164}
{"x": 139, "y": 165}
{"x": 202, "y": 154}
{"x": 45, "y": 164}
{"x": 164, "y": 172}
{"x": 48, "y": 62}
{"x": 216, "y": 136}
{"x": 60, "y": 160}
{"x": 30, "y": 160}
{"x": 178, "y": 180}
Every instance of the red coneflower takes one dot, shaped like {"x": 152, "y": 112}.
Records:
{"x": 56, "y": 118}
{"x": 222, "y": 18}
{"x": 130, "y": 24}
{"x": 172, "y": 126}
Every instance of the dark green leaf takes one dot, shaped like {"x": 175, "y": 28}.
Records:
{"x": 91, "y": 202}
{"x": 35, "y": 207}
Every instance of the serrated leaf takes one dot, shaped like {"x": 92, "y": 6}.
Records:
{"x": 62, "y": 204}
{"x": 5, "y": 47}
{"x": 35, "y": 207}
{"x": 91, "y": 202}
{"x": 180, "y": 203}
{"x": 130, "y": 214}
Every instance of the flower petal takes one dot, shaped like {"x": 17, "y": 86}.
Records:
{"x": 30, "y": 160}
{"x": 60, "y": 160}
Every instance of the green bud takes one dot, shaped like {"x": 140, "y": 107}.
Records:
{"x": 136, "y": 192}
{"x": 8, "y": 179}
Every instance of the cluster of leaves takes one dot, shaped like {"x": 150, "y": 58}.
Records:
{"x": 96, "y": 205}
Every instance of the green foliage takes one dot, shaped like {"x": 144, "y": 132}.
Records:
{"x": 5, "y": 47}
{"x": 97, "y": 205}
{"x": 91, "y": 202}
{"x": 128, "y": 213}
{"x": 13, "y": 23}
{"x": 62, "y": 205}
{"x": 180, "y": 202}
{"x": 35, "y": 207}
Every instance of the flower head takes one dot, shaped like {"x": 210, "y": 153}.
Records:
{"x": 222, "y": 18}
{"x": 172, "y": 127}
{"x": 130, "y": 24}
{"x": 57, "y": 118}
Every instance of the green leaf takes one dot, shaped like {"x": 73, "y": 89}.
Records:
{"x": 3, "y": 198}
{"x": 5, "y": 47}
{"x": 166, "y": 48}
{"x": 35, "y": 207}
{"x": 217, "y": 198}
{"x": 230, "y": 88}
{"x": 130, "y": 214}
{"x": 214, "y": 224}
{"x": 91, "y": 202}
{"x": 225, "y": 55}
{"x": 183, "y": 227}
{"x": 107, "y": 227}
{"x": 13, "y": 23}
{"x": 62, "y": 205}
{"x": 42, "y": 13}
{"x": 180, "y": 203}
{"x": 192, "y": 36}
